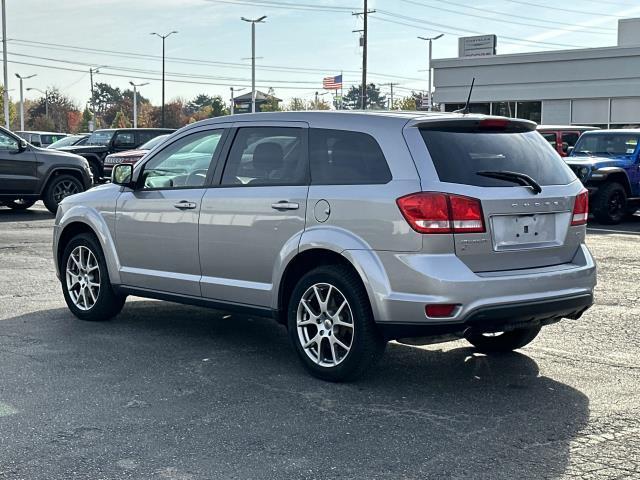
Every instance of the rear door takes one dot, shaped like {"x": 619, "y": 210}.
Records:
{"x": 524, "y": 229}
{"x": 256, "y": 212}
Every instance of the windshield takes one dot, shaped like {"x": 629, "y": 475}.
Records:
{"x": 459, "y": 156}
{"x": 65, "y": 142}
{"x": 617, "y": 144}
{"x": 100, "y": 137}
{"x": 152, "y": 143}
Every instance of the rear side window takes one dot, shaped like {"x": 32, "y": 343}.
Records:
{"x": 458, "y": 155}
{"x": 340, "y": 157}
{"x": 551, "y": 138}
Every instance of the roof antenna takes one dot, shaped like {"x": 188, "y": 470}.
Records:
{"x": 464, "y": 110}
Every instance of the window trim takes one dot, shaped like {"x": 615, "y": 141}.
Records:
{"x": 215, "y": 158}
{"x": 233, "y": 133}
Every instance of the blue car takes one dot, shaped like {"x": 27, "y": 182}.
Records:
{"x": 608, "y": 164}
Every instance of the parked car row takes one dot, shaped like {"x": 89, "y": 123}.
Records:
{"x": 607, "y": 162}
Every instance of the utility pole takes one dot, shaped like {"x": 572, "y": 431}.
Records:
{"x": 93, "y": 70}
{"x": 232, "y": 101}
{"x": 363, "y": 92}
{"x": 391, "y": 84}
{"x": 430, "y": 40}
{"x": 22, "y": 98}
{"x": 5, "y": 94}
{"x": 253, "y": 58}
{"x": 46, "y": 99}
{"x": 135, "y": 101}
{"x": 163, "y": 37}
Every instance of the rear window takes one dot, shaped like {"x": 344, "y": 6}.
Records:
{"x": 341, "y": 157}
{"x": 458, "y": 155}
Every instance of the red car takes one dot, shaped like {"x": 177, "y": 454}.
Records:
{"x": 561, "y": 137}
{"x": 130, "y": 156}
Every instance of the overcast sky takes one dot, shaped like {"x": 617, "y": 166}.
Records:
{"x": 309, "y": 43}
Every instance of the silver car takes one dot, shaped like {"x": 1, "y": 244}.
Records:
{"x": 350, "y": 228}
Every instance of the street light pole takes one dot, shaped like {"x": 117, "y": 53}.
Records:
{"x": 135, "y": 101}
{"x": 430, "y": 40}
{"x": 253, "y": 58}
{"x": 46, "y": 99}
{"x": 163, "y": 37}
{"x": 5, "y": 94}
{"x": 22, "y": 98}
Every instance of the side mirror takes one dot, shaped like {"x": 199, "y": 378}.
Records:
{"x": 569, "y": 150}
{"x": 22, "y": 145}
{"x": 565, "y": 147}
{"x": 122, "y": 175}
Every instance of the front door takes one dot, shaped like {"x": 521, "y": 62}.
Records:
{"x": 256, "y": 213}
{"x": 157, "y": 223}
{"x": 18, "y": 169}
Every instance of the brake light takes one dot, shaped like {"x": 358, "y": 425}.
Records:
{"x": 581, "y": 209}
{"x": 434, "y": 212}
{"x": 493, "y": 124}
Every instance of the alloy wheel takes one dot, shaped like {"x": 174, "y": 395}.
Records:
{"x": 63, "y": 189}
{"x": 616, "y": 204}
{"x": 83, "y": 278}
{"x": 324, "y": 321}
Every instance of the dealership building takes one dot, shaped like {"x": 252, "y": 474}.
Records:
{"x": 590, "y": 86}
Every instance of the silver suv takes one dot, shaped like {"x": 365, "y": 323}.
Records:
{"x": 352, "y": 229}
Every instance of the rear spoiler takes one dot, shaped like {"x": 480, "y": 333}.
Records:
{"x": 477, "y": 124}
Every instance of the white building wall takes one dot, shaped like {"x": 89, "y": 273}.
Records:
{"x": 556, "y": 112}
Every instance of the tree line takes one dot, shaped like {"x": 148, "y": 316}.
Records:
{"x": 113, "y": 108}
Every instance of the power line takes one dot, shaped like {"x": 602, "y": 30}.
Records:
{"x": 190, "y": 61}
{"x": 559, "y": 9}
{"x": 608, "y": 31}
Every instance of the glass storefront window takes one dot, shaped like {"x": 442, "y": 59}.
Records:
{"x": 504, "y": 109}
{"x": 530, "y": 111}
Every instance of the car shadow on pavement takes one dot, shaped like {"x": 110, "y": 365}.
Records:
{"x": 213, "y": 395}
{"x": 29, "y": 215}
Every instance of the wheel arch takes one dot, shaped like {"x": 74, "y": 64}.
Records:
{"x": 56, "y": 172}
{"x": 81, "y": 219}
{"x": 347, "y": 250}
{"x": 615, "y": 174}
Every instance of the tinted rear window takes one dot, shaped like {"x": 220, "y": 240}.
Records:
{"x": 341, "y": 157}
{"x": 458, "y": 155}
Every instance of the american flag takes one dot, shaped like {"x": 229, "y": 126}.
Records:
{"x": 332, "y": 83}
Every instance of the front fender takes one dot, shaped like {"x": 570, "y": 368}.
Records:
{"x": 96, "y": 221}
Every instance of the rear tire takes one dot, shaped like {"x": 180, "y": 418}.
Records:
{"x": 505, "y": 341}
{"x": 85, "y": 281}
{"x": 331, "y": 324}
{"x": 59, "y": 188}
{"x": 19, "y": 204}
{"x": 610, "y": 204}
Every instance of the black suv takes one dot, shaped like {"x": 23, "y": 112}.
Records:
{"x": 111, "y": 140}
{"x": 28, "y": 174}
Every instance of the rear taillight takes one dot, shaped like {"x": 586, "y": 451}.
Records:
{"x": 434, "y": 212}
{"x": 581, "y": 209}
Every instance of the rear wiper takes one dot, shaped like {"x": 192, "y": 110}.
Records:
{"x": 515, "y": 177}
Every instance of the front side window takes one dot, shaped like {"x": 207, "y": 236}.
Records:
{"x": 184, "y": 163}
{"x": 266, "y": 156}
{"x": 339, "y": 157}
{"x": 607, "y": 144}
{"x": 100, "y": 137}
{"x": 7, "y": 143}
{"x": 124, "y": 139}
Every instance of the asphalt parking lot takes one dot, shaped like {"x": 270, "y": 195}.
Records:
{"x": 173, "y": 392}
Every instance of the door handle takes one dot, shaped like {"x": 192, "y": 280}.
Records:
{"x": 285, "y": 205}
{"x": 184, "y": 205}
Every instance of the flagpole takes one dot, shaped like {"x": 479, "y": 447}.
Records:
{"x": 341, "y": 92}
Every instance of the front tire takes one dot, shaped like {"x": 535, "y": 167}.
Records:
{"x": 85, "y": 281}
{"x": 58, "y": 189}
{"x": 18, "y": 204}
{"x": 331, "y": 324}
{"x": 504, "y": 341}
{"x": 610, "y": 204}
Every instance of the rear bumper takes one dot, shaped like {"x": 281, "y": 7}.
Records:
{"x": 412, "y": 281}
{"x": 498, "y": 318}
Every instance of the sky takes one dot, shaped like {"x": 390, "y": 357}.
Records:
{"x": 300, "y": 42}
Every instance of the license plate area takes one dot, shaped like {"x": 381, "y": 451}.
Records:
{"x": 514, "y": 232}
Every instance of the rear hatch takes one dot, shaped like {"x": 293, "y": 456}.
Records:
{"x": 525, "y": 191}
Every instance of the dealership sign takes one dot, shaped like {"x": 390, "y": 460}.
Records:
{"x": 479, "y": 46}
